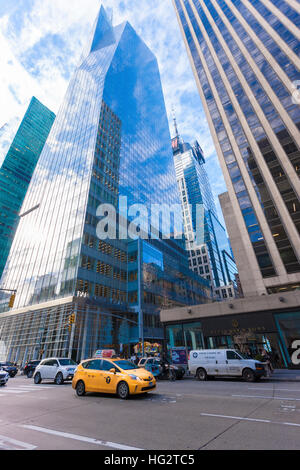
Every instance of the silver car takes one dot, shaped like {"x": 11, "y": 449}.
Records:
{"x": 4, "y": 376}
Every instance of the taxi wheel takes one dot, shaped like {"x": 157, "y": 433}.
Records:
{"x": 123, "y": 390}
{"x": 80, "y": 389}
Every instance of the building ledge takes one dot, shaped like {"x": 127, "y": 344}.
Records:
{"x": 273, "y": 302}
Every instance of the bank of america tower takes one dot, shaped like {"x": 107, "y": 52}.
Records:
{"x": 110, "y": 138}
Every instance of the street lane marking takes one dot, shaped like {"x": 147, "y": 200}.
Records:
{"x": 240, "y": 418}
{"x": 266, "y": 398}
{"x": 274, "y": 390}
{"x": 12, "y": 390}
{"x": 80, "y": 438}
{"x": 7, "y": 443}
{"x": 236, "y": 417}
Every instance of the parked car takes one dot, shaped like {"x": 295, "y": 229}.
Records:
{"x": 29, "y": 368}
{"x": 10, "y": 368}
{"x": 224, "y": 363}
{"x": 155, "y": 365}
{"x": 113, "y": 376}
{"x": 58, "y": 370}
{"x": 4, "y": 376}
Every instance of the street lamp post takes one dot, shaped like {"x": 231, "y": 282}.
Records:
{"x": 141, "y": 316}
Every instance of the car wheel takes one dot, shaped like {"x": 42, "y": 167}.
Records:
{"x": 80, "y": 388}
{"x": 30, "y": 374}
{"x": 37, "y": 378}
{"x": 172, "y": 375}
{"x": 123, "y": 390}
{"x": 201, "y": 374}
{"x": 179, "y": 375}
{"x": 59, "y": 379}
{"x": 248, "y": 375}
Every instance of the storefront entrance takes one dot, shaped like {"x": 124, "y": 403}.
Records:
{"x": 288, "y": 325}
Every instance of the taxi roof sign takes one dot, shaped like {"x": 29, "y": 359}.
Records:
{"x": 102, "y": 353}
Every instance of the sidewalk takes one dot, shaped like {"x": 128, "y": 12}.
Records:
{"x": 285, "y": 375}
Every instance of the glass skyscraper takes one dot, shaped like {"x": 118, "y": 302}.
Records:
{"x": 245, "y": 58}
{"x": 209, "y": 257}
{"x": 17, "y": 170}
{"x": 110, "y": 139}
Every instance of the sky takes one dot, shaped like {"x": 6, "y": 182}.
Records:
{"x": 41, "y": 42}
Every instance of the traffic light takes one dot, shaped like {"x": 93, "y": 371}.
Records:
{"x": 71, "y": 321}
{"x": 12, "y": 300}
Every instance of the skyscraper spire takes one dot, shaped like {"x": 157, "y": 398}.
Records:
{"x": 175, "y": 123}
{"x": 103, "y": 32}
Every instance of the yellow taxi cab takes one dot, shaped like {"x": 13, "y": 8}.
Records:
{"x": 114, "y": 376}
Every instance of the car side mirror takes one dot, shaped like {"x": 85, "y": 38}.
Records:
{"x": 113, "y": 371}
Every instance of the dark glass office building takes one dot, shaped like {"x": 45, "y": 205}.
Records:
{"x": 17, "y": 170}
{"x": 110, "y": 140}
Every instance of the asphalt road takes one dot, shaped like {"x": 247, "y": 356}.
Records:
{"x": 181, "y": 415}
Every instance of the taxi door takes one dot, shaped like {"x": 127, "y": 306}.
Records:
{"x": 109, "y": 379}
{"x": 93, "y": 376}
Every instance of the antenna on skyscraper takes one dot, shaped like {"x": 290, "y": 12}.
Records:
{"x": 175, "y": 122}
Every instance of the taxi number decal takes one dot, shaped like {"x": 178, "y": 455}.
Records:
{"x": 108, "y": 380}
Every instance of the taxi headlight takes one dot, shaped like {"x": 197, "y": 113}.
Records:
{"x": 134, "y": 377}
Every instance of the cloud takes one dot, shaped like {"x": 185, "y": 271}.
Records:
{"x": 41, "y": 42}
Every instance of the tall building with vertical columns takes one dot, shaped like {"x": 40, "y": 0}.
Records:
{"x": 245, "y": 58}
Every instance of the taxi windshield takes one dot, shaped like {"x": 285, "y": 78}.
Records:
{"x": 125, "y": 365}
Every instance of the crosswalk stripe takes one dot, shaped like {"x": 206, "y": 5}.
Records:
{"x": 76, "y": 437}
{"x": 34, "y": 387}
{"x": 6, "y": 443}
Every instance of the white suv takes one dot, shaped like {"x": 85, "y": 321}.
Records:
{"x": 56, "y": 369}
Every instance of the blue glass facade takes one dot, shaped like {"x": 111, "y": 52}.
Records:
{"x": 194, "y": 188}
{"x": 17, "y": 170}
{"x": 246, "y": 59}
{"x": 110, "y": 139}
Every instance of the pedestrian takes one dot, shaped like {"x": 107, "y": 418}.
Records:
{"x": 133, "y": 358}
{"x": 266, "y": 359}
